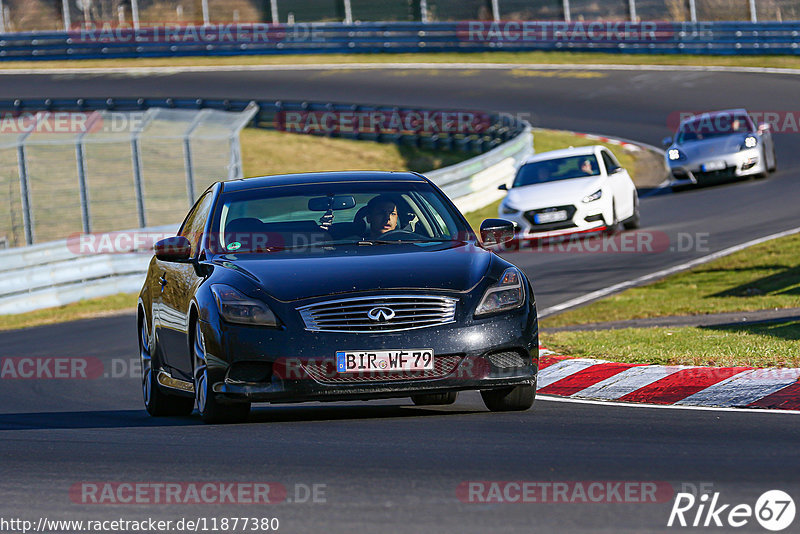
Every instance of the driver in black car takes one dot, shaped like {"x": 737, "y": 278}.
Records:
{"x": 381, "y": 215}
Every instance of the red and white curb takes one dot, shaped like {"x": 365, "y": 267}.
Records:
{"x": 680, "y": 385}
{"x": 624, "y": 143}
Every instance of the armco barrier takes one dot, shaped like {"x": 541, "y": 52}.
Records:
{"x": 53, "y": 274}
{"x": 403, "y": 37}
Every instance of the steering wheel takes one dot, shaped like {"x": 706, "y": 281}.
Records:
{"x": 398, "y": 233}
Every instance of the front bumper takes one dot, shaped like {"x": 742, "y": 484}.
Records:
{"x": 705, "y": 170}
{"x": 294, "y": 365}
{"x": 582, "y": 218}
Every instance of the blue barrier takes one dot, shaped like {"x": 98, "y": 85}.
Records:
{"x": 716, "y": 38}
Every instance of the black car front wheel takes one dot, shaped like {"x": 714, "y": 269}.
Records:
{"x": 211, "y": 410}
{"x": 513, "y": 399}
{"x": 156, "y": 402}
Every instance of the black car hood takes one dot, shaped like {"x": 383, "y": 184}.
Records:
{"x": 286, "y": 276}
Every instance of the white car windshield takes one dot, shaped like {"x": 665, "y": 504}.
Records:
{"x": 552, "y": 170}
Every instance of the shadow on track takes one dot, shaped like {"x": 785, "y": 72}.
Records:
{"x": 267, "y": 414}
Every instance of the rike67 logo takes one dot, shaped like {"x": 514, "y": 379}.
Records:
{"x": 774, "y": 510}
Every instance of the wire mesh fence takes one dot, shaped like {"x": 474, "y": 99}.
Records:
{"x": 44, "y": 15}
{"x": 63, "y": 173}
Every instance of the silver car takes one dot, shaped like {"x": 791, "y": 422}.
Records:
{"x": 717, "y": 146}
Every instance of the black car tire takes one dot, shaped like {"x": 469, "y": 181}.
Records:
{"x": 211, "y": 410}
{"x": 435, "y": 399}
{"x": 633, "y": 222}
{"x": 517, "y": 398}
{"x": 613, "y": 226}
{"x": 156, "y": 401}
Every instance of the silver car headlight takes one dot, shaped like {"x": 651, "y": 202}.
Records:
{"x": 236, "y": 307}
{"x": 597, "y": 195}
{"x": 506, "y": 294}
{"x": 751, "y": 141}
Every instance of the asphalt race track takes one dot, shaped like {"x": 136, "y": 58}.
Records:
{"x": 389, "y": 466}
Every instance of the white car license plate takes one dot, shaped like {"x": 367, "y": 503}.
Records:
{"x": 550, "y": 216}
{"x": 713, "y": 166}
{"x": 384, "y": 360}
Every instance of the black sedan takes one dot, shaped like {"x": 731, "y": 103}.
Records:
{"x": 329, "y": 287}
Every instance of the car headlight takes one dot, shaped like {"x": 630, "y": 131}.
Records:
{"x": 506, "y": 294}
{"x": 674, "y": 154}
{"x": 749, "y": 142}
{"x": 594, "y": 196}
{"x": 506, "y": 210}
{"x": 236, "y": 307}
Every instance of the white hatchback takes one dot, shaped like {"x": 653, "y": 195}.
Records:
{"x": 574, "y": 190}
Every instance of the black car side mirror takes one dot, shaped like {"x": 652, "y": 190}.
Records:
{"x": 667, "y": 141}
{"x": 174, "y": 249}
{"x": 502, "y": 187}
{"x": 496, "y": 231}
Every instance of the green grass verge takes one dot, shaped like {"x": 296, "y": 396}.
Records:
{"x": 764, "y": 345}
{"x": 270, "y": 152}
{"x": 544, "y": 141}
{"x": 757, "y": 278}
{"x": 522, "y": 58}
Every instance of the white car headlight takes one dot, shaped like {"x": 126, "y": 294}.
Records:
{"x": 236, "y": 307}
{"x": 674, "y": 154}
{"x": 749, "y": 142}
{"x": 594, "y": 196}
{"x": 505, "y": 295}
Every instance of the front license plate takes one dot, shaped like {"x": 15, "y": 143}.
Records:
{"x": 550, "y": 216}
{"x": 384, "y": 360}
{"x": 713, "y": 166}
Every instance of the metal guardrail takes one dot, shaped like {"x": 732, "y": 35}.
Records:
{"x": 404, "y": 37}
{"x": 55, "y": 273}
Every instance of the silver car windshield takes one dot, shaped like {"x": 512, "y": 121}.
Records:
{"x": 711, "y": 126}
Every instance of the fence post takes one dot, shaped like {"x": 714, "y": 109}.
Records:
{"x": 84, "y": 193}
{"x": 187, "y": 154}
{"x": 2, "y": 18}
{"x": 204, "y": 5}
{"x": 348, "y": 12}
{"x": 136, "y": 159}
{"x": 273, "y": 7}
{"x": 423, "y": 11}
{"x": 27, "y": 215}
{"x": 496, "y": 10}
{"x": 753, "y": 12}
{"x": 65, "y": 10}
{"x": 567, "y": 15}
{"x": 692, "y": 11}
{"x": 632, "y": 10}
{"x": 135, "y": 13}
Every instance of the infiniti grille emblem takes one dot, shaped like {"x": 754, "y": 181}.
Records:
{"x": 381, "y": 314}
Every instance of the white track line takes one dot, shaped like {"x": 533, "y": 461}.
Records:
{"x": 594, "y": 295}
{"x": 550, "y": 398}
{"x": 133, "y": 70}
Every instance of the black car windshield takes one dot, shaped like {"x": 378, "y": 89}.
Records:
{"x": 539, "y": 172}
{"x": 310, "y": 216}
{"x": 710, "y": 126}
